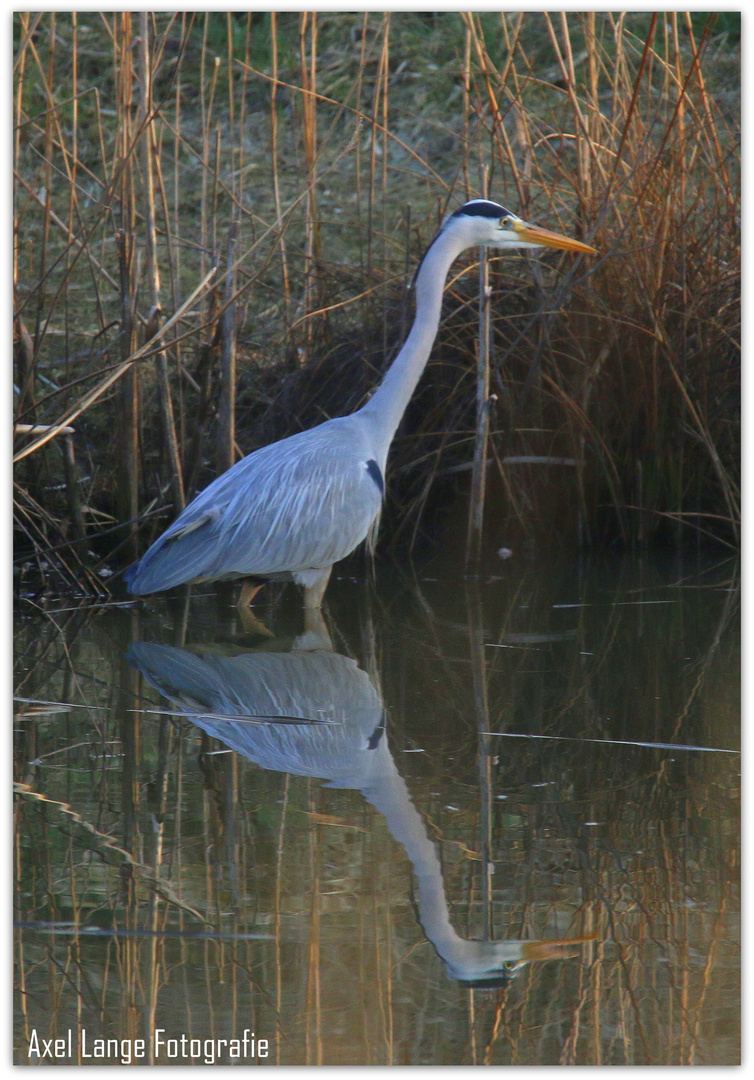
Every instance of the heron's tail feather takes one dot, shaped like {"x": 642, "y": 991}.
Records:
{"x": 184, "y": 553}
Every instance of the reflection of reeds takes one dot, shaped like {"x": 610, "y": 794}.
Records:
{"x": 147, "y": 828}
{"x": 127, "y": 186}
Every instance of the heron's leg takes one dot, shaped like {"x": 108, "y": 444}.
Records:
{"x": 249, "y": 621}
{"x": 252, "y": 626}
{"x": 249, "y": 590}
{"x": 316, "y": 635}
{"x": 313, "y": 593}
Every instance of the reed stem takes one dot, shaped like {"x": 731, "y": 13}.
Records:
{"x": 483, "y": 401}
{"x": 226, "y": 420}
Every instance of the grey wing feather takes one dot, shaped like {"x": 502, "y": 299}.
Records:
{"x": 268, "y": 686}
{"x": 299, "y": 504}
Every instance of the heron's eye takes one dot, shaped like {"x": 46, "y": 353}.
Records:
{"x": 509, "y": 965}
{"x": 506, "y": 222}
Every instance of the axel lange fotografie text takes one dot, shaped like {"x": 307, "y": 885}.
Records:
{"x": 160, "y": 1049}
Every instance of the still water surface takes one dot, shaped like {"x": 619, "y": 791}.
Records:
{"x": 357, "y": 841}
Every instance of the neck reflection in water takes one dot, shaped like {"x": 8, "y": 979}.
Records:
{"x": 314, "y": 712}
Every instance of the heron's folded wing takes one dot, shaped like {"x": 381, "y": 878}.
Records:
{"x": 302, "y": 503}
{"x": 179, "y": 555}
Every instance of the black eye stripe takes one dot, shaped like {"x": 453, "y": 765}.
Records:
{"x": 482, "y": 208}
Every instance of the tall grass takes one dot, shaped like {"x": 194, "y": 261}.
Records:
{"x": 263, "y": 191}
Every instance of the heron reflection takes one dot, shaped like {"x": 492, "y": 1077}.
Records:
{"x": 317, "y": 713}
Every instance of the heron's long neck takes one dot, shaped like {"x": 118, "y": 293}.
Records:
{"x": 388, "y": 793}
{"x": 387, "y": 405}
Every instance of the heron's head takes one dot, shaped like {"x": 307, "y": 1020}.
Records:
{"x": 488, "y": 223}
{"x": 493, "y": 963}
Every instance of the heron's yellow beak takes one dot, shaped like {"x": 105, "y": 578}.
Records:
{"x": 552, "y": 950}
{"x": 534, "y": 235}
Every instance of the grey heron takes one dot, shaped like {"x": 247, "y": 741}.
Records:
{"x": 292, "y": 509}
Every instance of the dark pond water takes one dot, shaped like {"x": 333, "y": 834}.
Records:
{"x": 358, "y": 842}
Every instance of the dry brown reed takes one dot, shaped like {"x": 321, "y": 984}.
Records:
{"x": 297, "y": 181}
